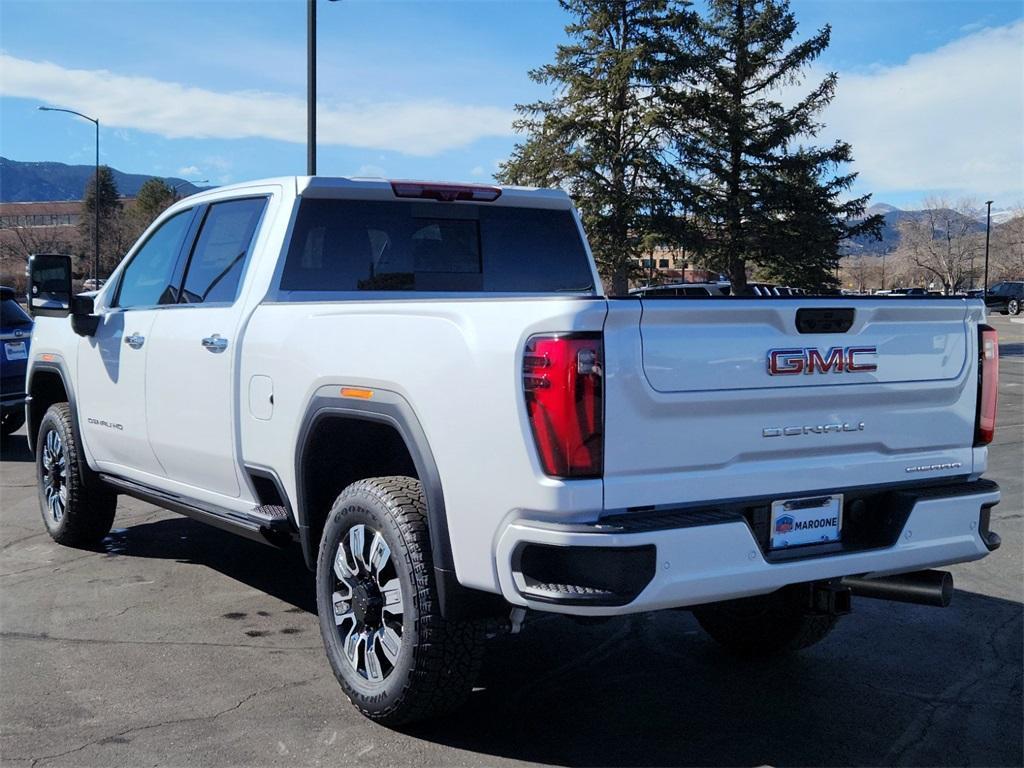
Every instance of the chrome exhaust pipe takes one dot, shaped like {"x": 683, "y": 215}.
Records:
{"x": 921, "y": 587}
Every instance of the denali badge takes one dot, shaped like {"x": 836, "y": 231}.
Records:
{"x": 782, "y": 362}
{"x": 105, "y": 423}
{"x": 812, "y": 429}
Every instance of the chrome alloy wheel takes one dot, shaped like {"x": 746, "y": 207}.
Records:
{"x": 367, "y": 599}
{"x": 55, "y": 476}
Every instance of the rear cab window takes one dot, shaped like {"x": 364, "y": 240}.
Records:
{"x": 352, "y": 246}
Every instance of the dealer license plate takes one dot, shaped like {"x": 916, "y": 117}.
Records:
{"x": 810, "y": 520}
{"x": 16, "y": 350}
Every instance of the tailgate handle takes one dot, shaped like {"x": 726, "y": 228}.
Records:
{"x": 824, "y": 320}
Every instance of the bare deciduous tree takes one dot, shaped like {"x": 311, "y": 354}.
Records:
{"x": 1006, "y": 256}
{"x": 17, "y": 243}
{"x": 944, "y": 242}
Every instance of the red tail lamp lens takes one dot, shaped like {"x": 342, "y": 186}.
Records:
{"x": 988, "y": 385}
{"x": 562, "y": 379}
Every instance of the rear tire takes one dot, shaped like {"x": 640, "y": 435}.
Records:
{"x": 765, "y": 625}
{"x": 77, "y": 508}
{"x": 1013, "y": 307}
{"x": 397, "y": 659}
{"x": 11, "y": 421}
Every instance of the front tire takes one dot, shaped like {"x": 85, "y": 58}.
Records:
{"x": 765, "y": 625}
{"x": 395, "y": 656}
{"x": 1013, "y": 307}
{"x": 77, "y": 509}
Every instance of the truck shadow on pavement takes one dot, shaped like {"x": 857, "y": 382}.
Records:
{"x": 281, "y": 573}
{"x": 15, "y": 448}
{"x": 894, "y": 684}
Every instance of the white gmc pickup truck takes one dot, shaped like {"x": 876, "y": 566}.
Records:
{"x": 427, "y": 388}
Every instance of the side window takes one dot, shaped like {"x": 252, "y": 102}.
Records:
{"x": 218, "y": 258}
{"x": 147, "y": 280}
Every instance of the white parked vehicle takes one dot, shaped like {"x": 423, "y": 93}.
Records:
{"x": 425, "y": 386}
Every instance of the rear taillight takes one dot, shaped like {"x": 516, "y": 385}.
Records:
{"x": 988, "y": 385}
{"x": 562, "y": 379}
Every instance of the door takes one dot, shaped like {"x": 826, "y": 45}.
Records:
{"x": 111, "y": 383}
{"x": 190, "y": 394}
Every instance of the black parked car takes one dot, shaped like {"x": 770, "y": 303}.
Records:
{"x": 15, "y": 335}
{"x": 1006, "y": 297}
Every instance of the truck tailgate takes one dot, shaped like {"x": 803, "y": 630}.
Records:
{"x": 726, "y": 398}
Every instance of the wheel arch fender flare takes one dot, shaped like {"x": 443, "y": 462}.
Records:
{"x": 388, "y": 408}
{"x": 56, "y": 367}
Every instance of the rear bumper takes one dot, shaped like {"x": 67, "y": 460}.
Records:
{"x": 680, "y": 558}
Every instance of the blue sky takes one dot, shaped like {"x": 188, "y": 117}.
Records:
{"x": 931, "y": 93}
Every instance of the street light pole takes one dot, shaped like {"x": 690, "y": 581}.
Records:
{"x": 311, "y": 87}
{"x": 988, "y": 230}
{"x": 96, "y": 184}
{"x": 174, "y": 187}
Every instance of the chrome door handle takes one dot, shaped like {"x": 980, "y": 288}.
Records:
{"x": 135, "y": 341}
{"x": 215, "y": 343}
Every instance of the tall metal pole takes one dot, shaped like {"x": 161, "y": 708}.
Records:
{"x": 311, "y": 87}
{"x": 96, "y": 184}
{"x": 988, "y": 230}
{"x": 96, "y": 205}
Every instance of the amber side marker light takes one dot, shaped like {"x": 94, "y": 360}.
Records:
{"x": 358, "y": 394}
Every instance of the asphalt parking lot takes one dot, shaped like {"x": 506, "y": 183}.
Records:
{"x": 178, "y": 644}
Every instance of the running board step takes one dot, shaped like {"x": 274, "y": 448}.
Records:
{"x": 273, "y": 517}
{"x": 266, "y": 527}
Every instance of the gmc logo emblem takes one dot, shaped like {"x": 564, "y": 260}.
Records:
{"x": 783, "y": 362}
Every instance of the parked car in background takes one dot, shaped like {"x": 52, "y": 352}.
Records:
{"x": 92, "y": 285}
{"x": 910, "y": 292}
{"x": 1006, "y": 297}
{"x": 677, "y": 290}
{"x": 768, "y": 290}
{"x": 15, "y": 335}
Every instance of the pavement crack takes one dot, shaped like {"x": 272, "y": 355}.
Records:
{"x": 46, "y": 637}
{"x": 55, "y": 566}
{"x": 10, "y": 544}
{"x": 178, "y": 721}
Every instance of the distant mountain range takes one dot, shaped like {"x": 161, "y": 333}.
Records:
{"x": 33, "y": 182}
{"x": 893, "y": 217}
{"x": 36, "y": 182}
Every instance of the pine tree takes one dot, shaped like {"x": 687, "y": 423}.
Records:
{"x": 760, "y": 197}
{"x": 153, "y": 197}
{"x": 603, "y": 136}
{"x": 110, "y": 219}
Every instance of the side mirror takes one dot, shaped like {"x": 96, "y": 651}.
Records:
{"x": 49, "y": 285}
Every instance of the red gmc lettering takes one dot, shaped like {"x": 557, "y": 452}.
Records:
{"x": 852, "y": 366}
{"x": 784, "y": 362}
{"x": 834, "y": 360}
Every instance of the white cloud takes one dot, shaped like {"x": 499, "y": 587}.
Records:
{"x": 477, "y": 170}
{"x": 189, "y": 170}
{"x": 369, "y": 170}
{"x": 948, "y": 120}
{"x": 175, "y": 110}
